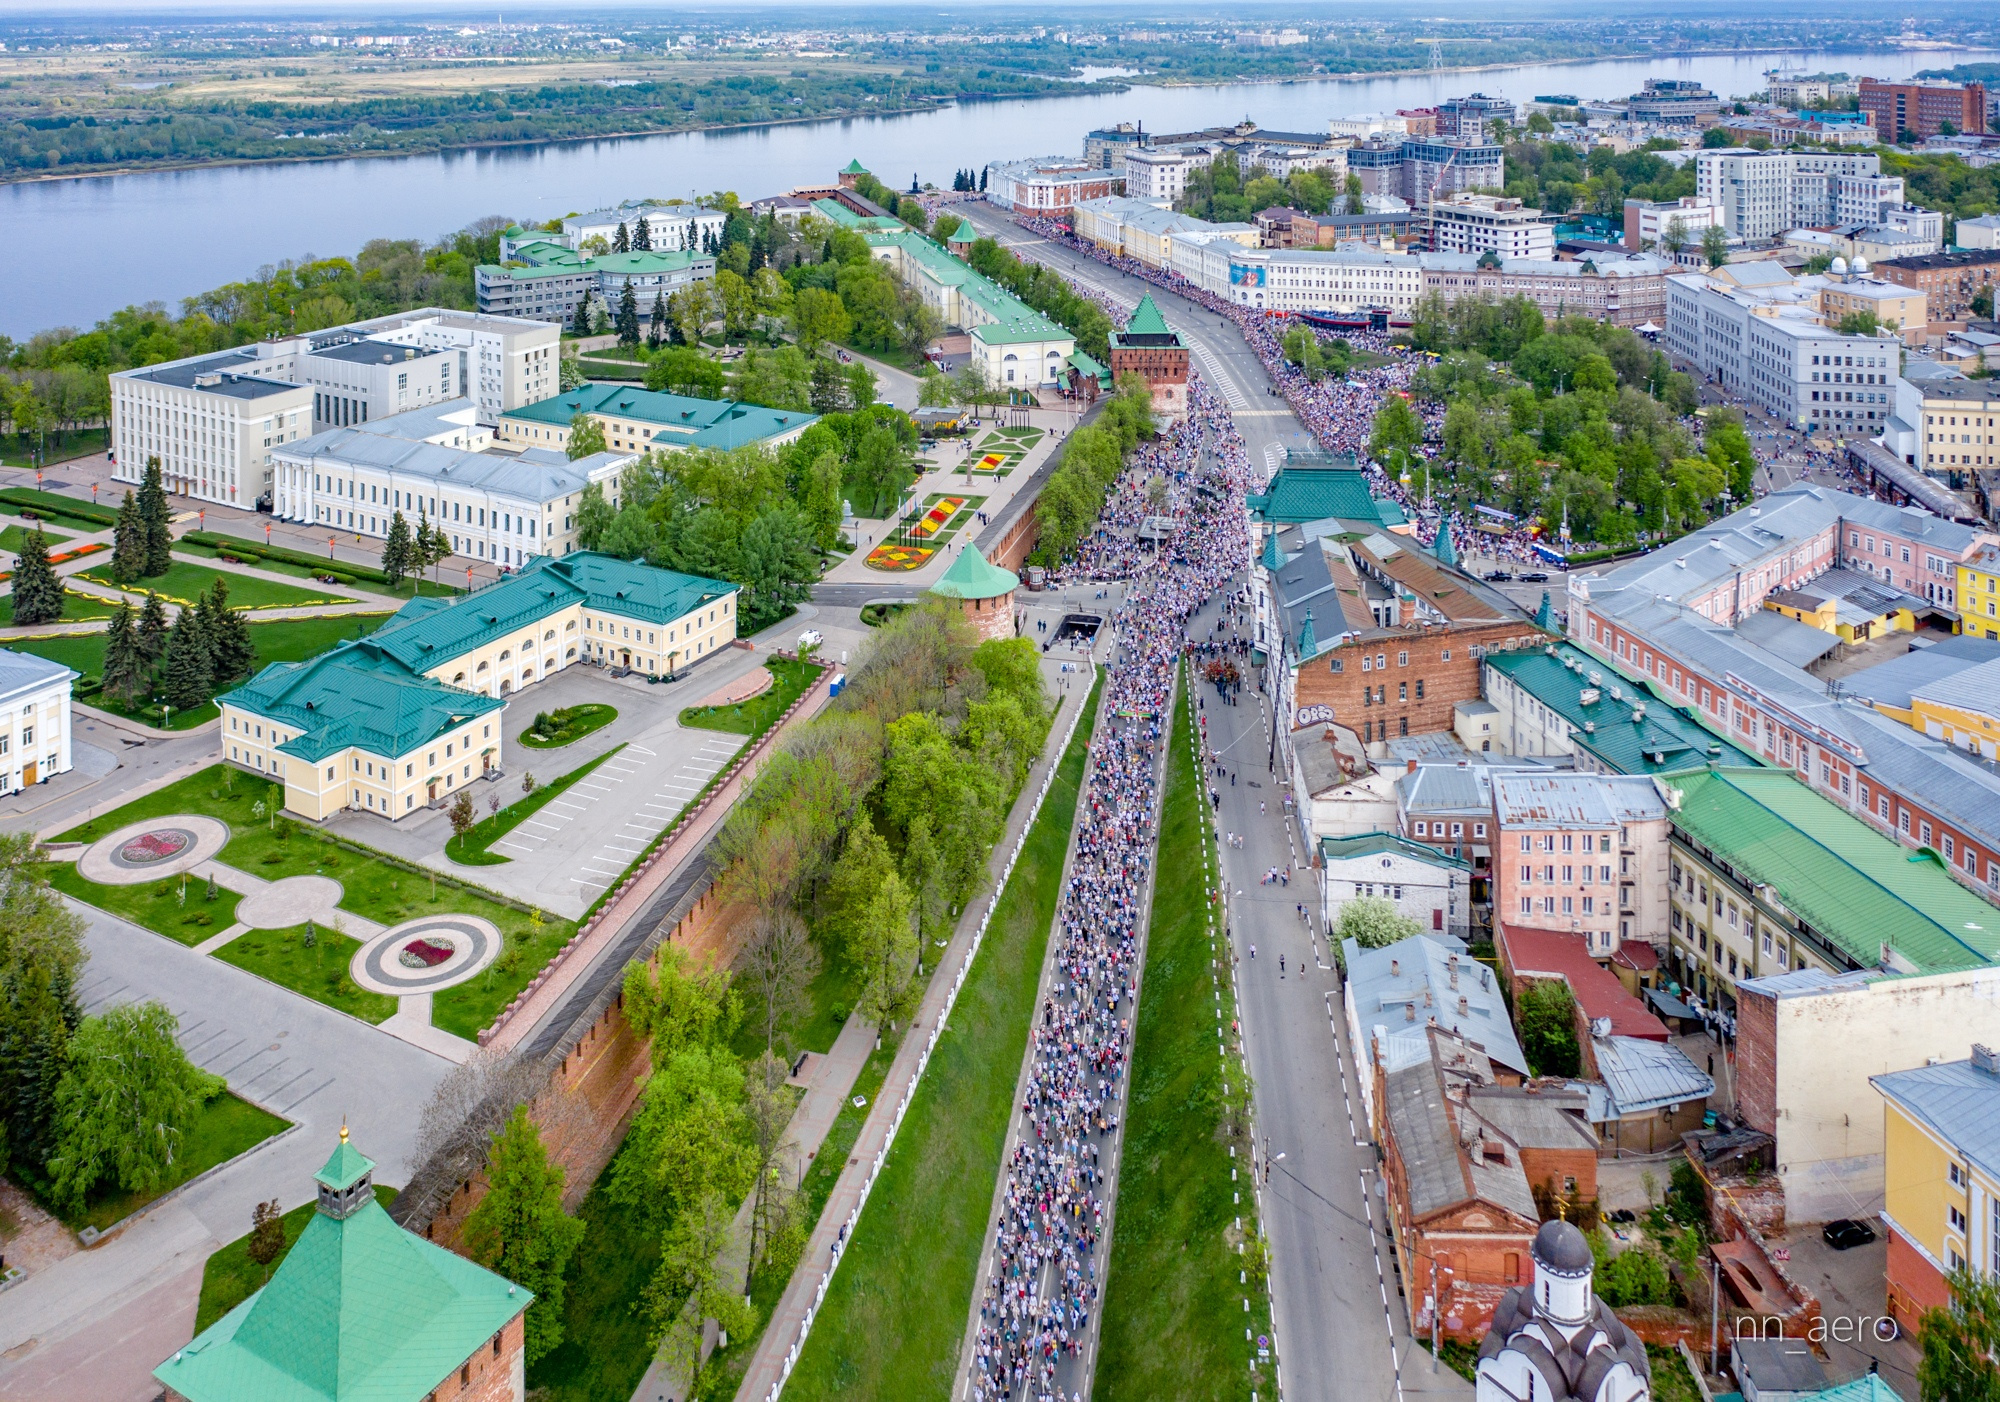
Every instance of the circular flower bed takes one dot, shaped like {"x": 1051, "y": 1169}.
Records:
{"x": 161, "y": 845}
{"x": 426, "y": 953}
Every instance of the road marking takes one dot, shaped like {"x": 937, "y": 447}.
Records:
{"x": 558, "y": 803}
{"x": 502, "y": 842}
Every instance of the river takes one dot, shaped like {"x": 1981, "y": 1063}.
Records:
{"x": 82, "y": 248}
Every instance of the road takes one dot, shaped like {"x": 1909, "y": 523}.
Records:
{"x": 1341, "y": 1327}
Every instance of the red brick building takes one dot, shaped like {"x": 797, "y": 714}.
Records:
{"x": 1923, "y": 108}
{"x": 1947, "y": 280}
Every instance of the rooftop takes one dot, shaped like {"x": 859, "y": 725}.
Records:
{"x": 1859, "y": 890}
{"x": 1894, "y": 682}
{"x": 23, "y": 671}
{"x": 234, "y": 374}
{"x": 1641, "y": 1074}
{"x": 678, "y": 420}
{"x": 1575, "y": 800}
{"x": 1374, "y": 844}
{"x": 372, "y": 353}
{"x": 1531, "y": 953}
{"x": 971, "y": 576}
{"x": 1959, "y": 1101}
{"x": 1302, "y": 492}
{"x": 1405, "y": 985}
{"x": 538, "y": 474}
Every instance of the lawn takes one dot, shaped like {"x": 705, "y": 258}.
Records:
{"x": 318, "y": 971}
{"x": 77, "y": 608}
{"x": 376, "y": 889}
{"x": 300, "y": 564}
{"x": 1172, "y": 1298}
{"x": 52, "y": 506}
{"x": 567, "y": 725}
{"x": 231, "y": 1277}
{"x": 225, "y": 1128}
{"x": 185, "y": 582}
{"x": 157, "y": 906}
{"x": 759, "y": 713}
{"x": 604, "y": 1351}
{"x": 470, "y": 850}
{"x": 895, "y": 1314}
{"x": 14, "y": 537}
{"x": 283, "y": 640}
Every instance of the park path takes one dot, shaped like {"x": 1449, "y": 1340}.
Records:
{"x": 784, "y": 1334}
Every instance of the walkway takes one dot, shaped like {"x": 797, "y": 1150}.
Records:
{"x": 767, "y": 1364}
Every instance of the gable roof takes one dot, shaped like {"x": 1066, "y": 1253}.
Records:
{"x": 358, "y": 694}
{"x": 1526, "y": 952}
{"x": 1415, "y": 974}
{"x": 360, "y": 1310}
{"x": 1957, "y": 1101}
{"x": 679, "y": 420}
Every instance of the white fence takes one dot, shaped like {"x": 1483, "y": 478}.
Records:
{"x": 930, "y": 1043}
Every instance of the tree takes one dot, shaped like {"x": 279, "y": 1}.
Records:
{"x": 157, "y": 518}
{"x": 1674, "y": 238}
{"x": 776, "y": 565}
{"x": 1356, "y": 196}
{"x": 768, "y": 1109}
{"x": 1862, "y": 323}
{"x": 819, "y": 316}
{"x": 656, "y": 329}
{"x": 569, "y": 372}
{"x": 231, "y": 654}
{"x": 627, "y": 320}
{"x": 642, "y": 235}
{"x": 38, "y": 594}
{"x": 779, "y": 966}
{"x": 581, "y": 324}
{"x": 823, "y": 500}
{"x": 125, "y": 671}
{"x": 1961, "y": 1342}
{"x": 621, "y": 240}
{"x": 125, "y": 1103}
{"x": 152, "y": 632}
{"x": 586, "y": 436}
{"x": 860, "y": 385}
{"x": 1545, "y": 1014}
{"x": 1373, "y": 923}
{"x": 594, "y": 515}
{"x": 1715, "y": 245}
{"x": 520, "y": 1229}
{"x": 689, "y": 1288}
{"x": 267, "y": 1235}
{"x": 187, "y": 675}
{"x": 128, "y": 543}
{"x": 396, "y": 552}
{"x": 688, "y": 308}
{"x": 462, "y": 816}
{"x": 1397, "y": 433}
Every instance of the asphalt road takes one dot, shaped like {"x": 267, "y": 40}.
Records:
{"x": 1340, "y": 1324}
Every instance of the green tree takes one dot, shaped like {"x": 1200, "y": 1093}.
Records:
{"x": 1862, "y": 323}
{"x": 152, "y": 630}
{"x": 519, "y": 1229}
{"x": 231, "y": 654}
{"x": 823, "y": 499}
{"x": 1545, "y": 1014}
{"x": 128, "y": 543}
{"x": 396, "y": 554}
{"x": 1397, "y": 432}
{"x": 1356, "y": 197}
{"x": 38, "y": 1014}
{"x": 860, "y": 385}
{"x": 1715, "y": 245}
{"x": 776, "y": 565}
{"x": 38, "y": 594}
{"x": 689, "y": 1288}
{"x": 125, "y": 672}
{"x": 1961, "y": 1342}
{"x": 1373, "y": 923}
{"x": 627, "y": 320}
{"x": 126, "y": 1101}
{"x": 267, "y": 1235}
{"x": 187, "y": 677}
{"x": 157, "y": 518}
{"x": 586, "y": 436}
{"x": 594, "y": 512}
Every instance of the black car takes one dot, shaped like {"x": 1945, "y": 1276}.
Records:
{"x": 1496, "y": 575}
{"x": 1846, "y": 1233}
{"x": 1534, "y": 577}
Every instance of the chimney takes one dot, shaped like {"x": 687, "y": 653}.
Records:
{"x": 1463, "y": 1006}
{"x": 1409, "y": 766}
{"x": 1984, "y": 1058}
{"x": 1409, "y": 1012}
{"x": 1395, "y": 968}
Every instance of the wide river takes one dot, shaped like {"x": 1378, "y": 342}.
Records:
{"x": 81, "y": 248}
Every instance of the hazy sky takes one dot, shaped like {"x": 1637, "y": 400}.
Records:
{"x": 1320, "y": 10}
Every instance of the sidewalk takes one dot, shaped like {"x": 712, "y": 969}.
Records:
{"x": 785, "y": 1330}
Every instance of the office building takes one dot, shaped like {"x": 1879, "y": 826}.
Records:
{"x": 1470, "y": 116}
{"x": 1467, "y": 223}
{"x": 1650, "y": 226}
{"x": 1156, "y": 173}
{"x": 1764, "y": 193}
{"x": 403, "y": 718}
{"x": 34, "y": 720}
{"x": 1941, "y": 1166}
{"x": 358, "y": 379}
{"x": 1960, "y": 425}
{"x": 1672, "y": 102}
{"x": 668, "y": 227}
{"x": 1924, "y": 109}
{"x": 1866, "y": 199}
{"x": 210, "y": 420}
{"x": 546, "y": 280}
{"x": 1047, "y": 184}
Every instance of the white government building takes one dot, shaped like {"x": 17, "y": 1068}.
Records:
{"x": 213, "y": 421}
{"x": 34, "y": 720}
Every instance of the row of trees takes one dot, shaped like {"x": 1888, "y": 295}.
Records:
{"x": 1092, "y": 459}
{"x": 142, "y": 540}
{"x": 1577, "y": 420}
{"x": 1227, "y": 192}
{"x": 86, "y": 1103}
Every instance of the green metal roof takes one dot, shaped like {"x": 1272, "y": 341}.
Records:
{"x": 847, "y": 219}
{"x": 1369, "y": 844}
{"x": 682, "y": 421}
{"x": 346, "y": 1167}
{"x": 1146, "y": 320}
{"x": 357, "y": 694}
{"x": 1009, "y": 320}
{"x": 1858, "y": 889}
{"x": 1299, "y": 494}
{"x": 1664, "y": 740}
{"x": 972, "y": 577}
{"x": 360, "y": 1310}
{"x": 1084, "y": 364}
{"x": 854, "y": 167}
{"x": 547, "y": 258}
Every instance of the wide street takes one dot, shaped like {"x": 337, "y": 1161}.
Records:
{"x": 1341, "y": 1324}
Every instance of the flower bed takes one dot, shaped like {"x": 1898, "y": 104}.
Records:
{"x": 934, "y": 520}
{"x": 899, "y": 557}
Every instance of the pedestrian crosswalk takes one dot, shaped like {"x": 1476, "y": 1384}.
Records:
{"x": 1219, "y": 382}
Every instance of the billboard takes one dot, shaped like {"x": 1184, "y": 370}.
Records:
{"x": 1244, "y": 275}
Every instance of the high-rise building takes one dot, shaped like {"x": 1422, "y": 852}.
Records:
{"x": 1924, "y": 109}
{"x": 1764, "y": 193}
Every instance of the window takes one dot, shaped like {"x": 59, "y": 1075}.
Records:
{"x": 1526, "y": 843}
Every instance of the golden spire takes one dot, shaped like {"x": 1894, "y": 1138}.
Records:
{"x": 343, "y": 1129}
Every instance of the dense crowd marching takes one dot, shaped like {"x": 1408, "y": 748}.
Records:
{"x": 1044, "y": 1280}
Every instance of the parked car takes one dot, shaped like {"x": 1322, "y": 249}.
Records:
{"x": 1497, "y": 575}
{"x": 1535, "y": 577}
{"x": 811, "y": 638}
{"x": 1846, "y": 1233}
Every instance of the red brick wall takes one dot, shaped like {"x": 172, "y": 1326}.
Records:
{"x": 1915, "y": 1285}
{"x": 1757, "y": 1060}
{"x": 1552, "y": 1166}
{"x": 1445, "y": 682}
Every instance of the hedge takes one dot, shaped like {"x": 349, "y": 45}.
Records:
{"x": 49, "y": 504}
{"x": 251, "y": 551}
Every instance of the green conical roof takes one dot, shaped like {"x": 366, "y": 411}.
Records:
{"x": 854, "y": 167}
{"x": 1545, "y": 617}
{"x": 360, "y": 1310}
{"x": 1443, "y": 548}
{"x": 345, "y": 1167}
{"x": 1146, "y": 320}
{"x": 1308, "y": 644}
{"x": 971, "y": 577}
{"x": 1273, "y": 558}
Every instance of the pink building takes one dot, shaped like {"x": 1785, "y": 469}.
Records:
{"x": 1581, "y": 853}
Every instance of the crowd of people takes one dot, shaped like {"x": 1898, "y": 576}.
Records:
{"x": 1044, "y": 1277}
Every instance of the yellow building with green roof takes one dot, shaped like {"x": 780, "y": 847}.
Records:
{"x": 361, "y": 1310}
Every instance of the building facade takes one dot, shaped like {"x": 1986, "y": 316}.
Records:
{"x": 34, "y": 720}
{"x": 1582, "y": 853}
{"x": 1763, "y": 193}
{"x": 1941, "y": 1161}
{"x": 1152, "y": 350}
{"x": 1468, "y": 223}
{"x": 1949, "y": 280}
{"x": 547, "y": 281}
{"x": 1048, "y": 185}
{"x": 1924, "y": 109}
{"x": 1418, "y": 879}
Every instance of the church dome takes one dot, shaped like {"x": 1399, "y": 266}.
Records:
{"x": 1560, "y": 1247}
